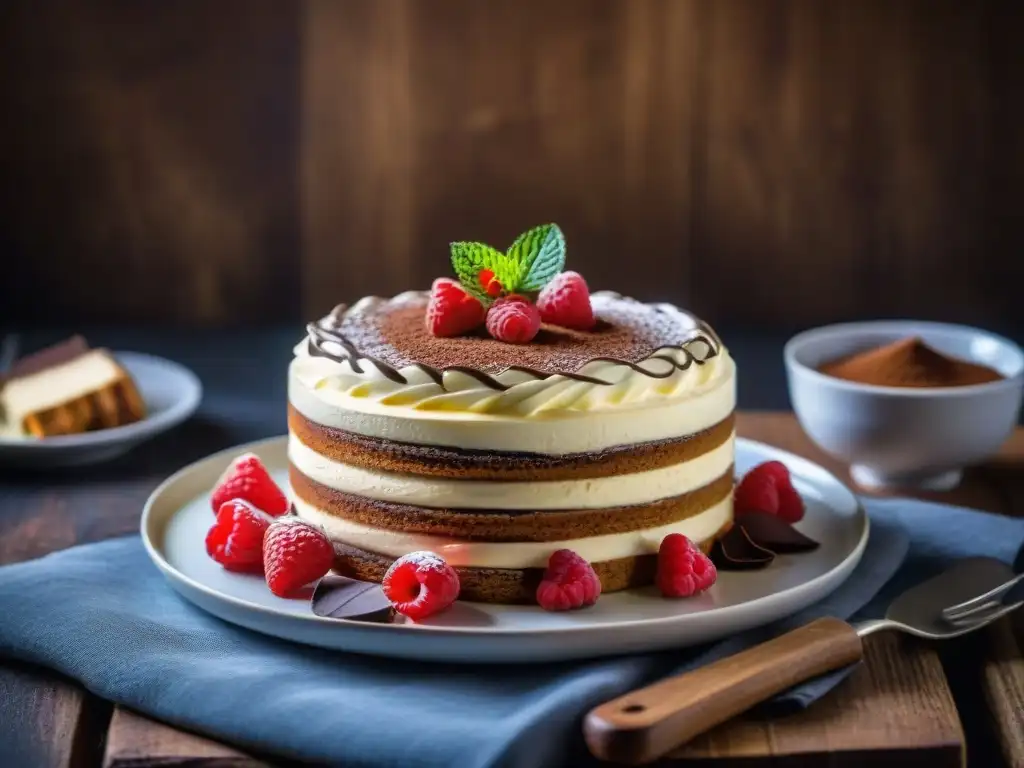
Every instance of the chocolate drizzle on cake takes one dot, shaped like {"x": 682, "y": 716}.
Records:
{"x": 389, "y": 335}
{"x": 320, "y": 335}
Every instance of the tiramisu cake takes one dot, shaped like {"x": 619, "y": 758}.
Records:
{"x": 507, "y": 415}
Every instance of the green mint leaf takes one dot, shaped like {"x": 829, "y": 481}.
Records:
{"x": 506, "y": 271}
{"x": 467, "y": 261}
{"x": 538, "y": 255}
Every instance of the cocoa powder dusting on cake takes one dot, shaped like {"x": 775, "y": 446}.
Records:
{"x": 394, "y": 333}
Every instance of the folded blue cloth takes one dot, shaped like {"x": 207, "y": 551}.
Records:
{"x": 103, "y": 615}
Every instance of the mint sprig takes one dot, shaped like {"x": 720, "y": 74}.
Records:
{"x": 539, "y": 255}
{"x": 530, "y": 263}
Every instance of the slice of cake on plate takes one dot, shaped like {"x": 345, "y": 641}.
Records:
{"x": 499, "y": 419}
{"x": 68, "y": 389}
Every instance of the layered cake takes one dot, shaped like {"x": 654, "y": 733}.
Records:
{"x": 497, "y": 445}
{"x": 67, "y": 389}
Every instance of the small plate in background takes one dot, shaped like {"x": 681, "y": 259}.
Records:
{"x": 171, "y": 393}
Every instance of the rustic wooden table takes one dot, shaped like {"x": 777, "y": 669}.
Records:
{"x": 909, "y": 704}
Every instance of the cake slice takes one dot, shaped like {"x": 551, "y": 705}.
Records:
{"x": 68, "y": 389}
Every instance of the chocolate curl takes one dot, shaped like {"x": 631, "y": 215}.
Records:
{"x": 754, "y": 541}
{"x": 337, "y": 597}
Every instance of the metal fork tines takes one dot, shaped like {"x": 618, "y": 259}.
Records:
{"x": 1008, "y": 596}
{"x": 1010, "y": 592}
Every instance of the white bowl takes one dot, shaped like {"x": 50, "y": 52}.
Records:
{"x": 901, "y": 436}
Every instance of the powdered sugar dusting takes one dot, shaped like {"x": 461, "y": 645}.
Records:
{"x": 235, "y": 462}
{"x": 423, "y": 559}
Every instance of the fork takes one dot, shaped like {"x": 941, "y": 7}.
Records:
{"x": 1009, "y": 593}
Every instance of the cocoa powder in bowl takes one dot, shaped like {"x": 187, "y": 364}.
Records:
{"x": 909, "y": 363}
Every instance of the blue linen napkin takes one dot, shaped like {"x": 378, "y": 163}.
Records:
{"x": 103, "y": 615}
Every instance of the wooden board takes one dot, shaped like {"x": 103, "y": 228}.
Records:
{"x": 895, "y": 710}
{"x": 1002, "y": 684}
{"x": 135, "y": 741}
{"x": 47, "y": 721}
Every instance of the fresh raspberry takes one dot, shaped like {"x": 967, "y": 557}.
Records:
{"x": 768, "y": 487}
{"x": 756, "y": 492}
{"x": 420, "y": 584}
{"x": 569, "y": 582}
{"x": 236, "y": 539}
{"x": 294, "y": 554}
{"x": 683, "y": 570}
{"x": 565, "y": 301}
{"x": 513, "y": 319}
{"x": 248, "y": 479}
{"x": 451, "y": 311}
{"x": 791, "y": 505}
{"x": 491, "y": 286}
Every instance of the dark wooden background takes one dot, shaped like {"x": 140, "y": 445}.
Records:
{"x": 763, "y": 161}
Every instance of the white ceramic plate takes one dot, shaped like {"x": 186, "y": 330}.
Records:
{"x": 178, "y": 515}
{"x": 171, "y": 393}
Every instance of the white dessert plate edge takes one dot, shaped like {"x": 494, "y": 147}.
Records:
{"x": 175, "y": 518}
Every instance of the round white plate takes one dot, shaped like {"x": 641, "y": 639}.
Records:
{"x": 171, "y": 393}
{"x": 178, "y": 515}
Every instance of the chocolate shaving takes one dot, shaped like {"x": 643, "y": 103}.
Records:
{"x": 337, "y": 597}
{"x": 754, "y": 541}
{"x": 737, "y": 552}
{"x": 774, "y": 534}
{"x": 325, "y": 339}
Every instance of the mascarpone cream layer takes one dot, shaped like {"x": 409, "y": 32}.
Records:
{"x": 532, "y": 554}
{"x": 594, "y": 493}
{"x": 553, "y": 416}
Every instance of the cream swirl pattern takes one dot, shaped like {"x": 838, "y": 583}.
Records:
{"x": 312, "y": 391}
{"x": 600, "y": 384}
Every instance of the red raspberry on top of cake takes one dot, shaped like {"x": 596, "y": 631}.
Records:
{"x": 600, "y": 434}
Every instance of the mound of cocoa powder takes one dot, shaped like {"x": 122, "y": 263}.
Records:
{"x": 909, "y": 363}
